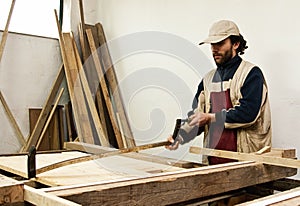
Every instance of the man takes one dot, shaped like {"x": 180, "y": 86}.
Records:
{"x": 231, "y": 105}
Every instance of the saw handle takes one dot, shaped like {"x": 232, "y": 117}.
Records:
{"x": 176, "y": 130}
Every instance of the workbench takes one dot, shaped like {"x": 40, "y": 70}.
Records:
{"x": 134, "y": 179}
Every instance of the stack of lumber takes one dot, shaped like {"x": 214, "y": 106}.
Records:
{"x": 95, "y": 114}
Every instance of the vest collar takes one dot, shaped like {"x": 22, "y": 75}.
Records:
{"x": 236, "y": 60}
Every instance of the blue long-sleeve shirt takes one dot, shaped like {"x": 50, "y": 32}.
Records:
{"x": 251, "y": 91}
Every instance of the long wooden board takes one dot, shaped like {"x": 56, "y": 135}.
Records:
{"x": 174, "y": 187}
{"x": 80, "y": 111}
{"x": 114, "y": 86}
{"x": 90, "y": 101}
{"x": 278, "y": 161}
{"x": 104, "y": 88}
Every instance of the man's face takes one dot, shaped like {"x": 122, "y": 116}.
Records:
{"x": 223, "y": 51}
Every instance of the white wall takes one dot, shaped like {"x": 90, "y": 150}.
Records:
{"x": 28, "y": 68}
{"x": 269, "y": 26}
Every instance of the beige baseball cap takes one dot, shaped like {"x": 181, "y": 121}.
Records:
{"x": 221, "y": 30}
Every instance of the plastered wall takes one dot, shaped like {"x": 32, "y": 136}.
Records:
{"x": 28, "y": 68}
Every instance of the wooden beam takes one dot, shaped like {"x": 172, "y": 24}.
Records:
{"x": 174, "y": 187}
{"x": 104, "y": 88}
{"x": 12, "y": 120}
{"x": 11, "y": 191}
{"x": 114, "y": 85}
{"x": 278, "y": 161}
{"x": 5, "y": 32}
{"x": 32, "y": 140}
{"x": 37, "y": 197}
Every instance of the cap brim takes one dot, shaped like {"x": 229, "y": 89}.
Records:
{"x": 213, "y": 39}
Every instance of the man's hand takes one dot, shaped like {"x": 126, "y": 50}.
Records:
{"x": 200, "y": 119}
{"x": 174, "y": 146}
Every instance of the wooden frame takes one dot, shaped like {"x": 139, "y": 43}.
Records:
{"x": 152, "y": 188}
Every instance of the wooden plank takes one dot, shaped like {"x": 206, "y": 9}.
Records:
{"x": 5, "y": 32}
{"x": 113, "y": 85}
{"x": 81, "y": 116}
{"x": 32, "y": 140}
{"x": 104, "y": 88}
{"x": 90, "y": 101}
{"x": 47, "y": 142}
{"x": 95, "y": 149}
{"x": 82, "y": 119}
{"x": 50, "y": 117}
{"x": 279, "y": 161}
{"x": 289, "y": 197}
{"x": 11, "y": 191}
{"x": 12, "y": 120}
{"x": 37, "y": 197}
{"x": 174, "y": 187}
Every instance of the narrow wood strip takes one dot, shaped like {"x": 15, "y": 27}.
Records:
{"x": 121, "y": 130}
{"x": 104, "y": 88}
{"x": 12, "y": 120}
{"x": 278, "y": 161}
{"x": 32, "y": 140}
{"x": 5, "y": 32}
{"x": 50, "y": 117}
{"x": 113, "y": 84}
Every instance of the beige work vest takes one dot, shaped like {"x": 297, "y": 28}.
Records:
{"x": 251, "y": 136}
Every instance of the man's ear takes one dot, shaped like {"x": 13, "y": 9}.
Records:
{"x": 236, "y": 45}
